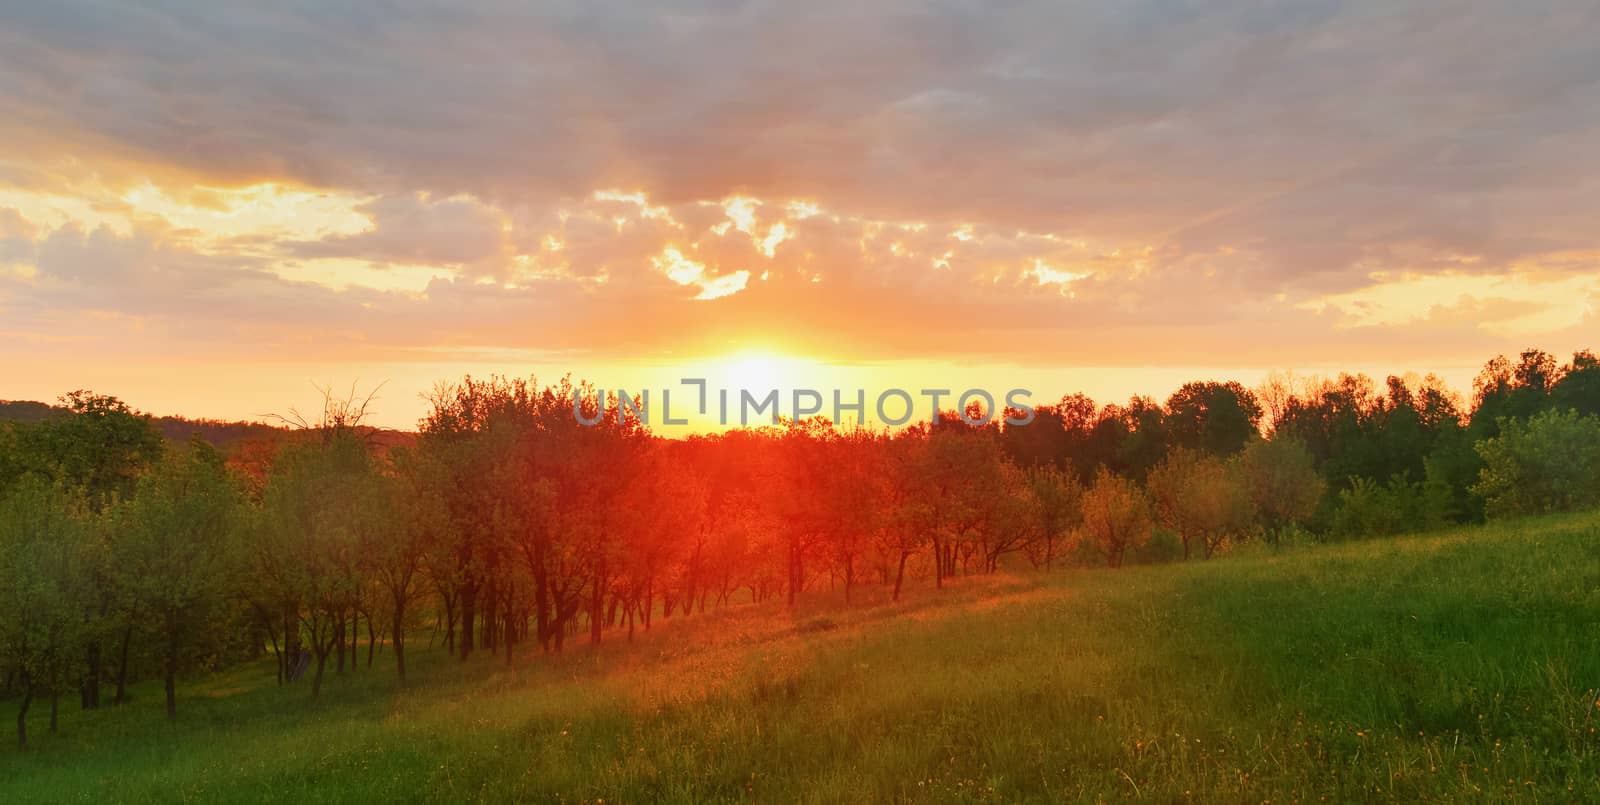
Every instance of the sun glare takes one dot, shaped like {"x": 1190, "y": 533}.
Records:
{"x": 761, "y": 370}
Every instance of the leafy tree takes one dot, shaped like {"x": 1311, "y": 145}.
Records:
{"x": 45, "y": 538}
{"x": 1201, "y": 499}
{"x": 315, "y": 508}
{"x": 1281, "y": 480}
{"x": 98, "y": 444}
{"x": 178, "y": 557}
{"x": 1546, "y": 463}
{"x": 1213, "y": 418}
{"x": 397, "y": 555}
{"x": 968, "y": 484}
{"x": 1116, "y": 515}
{"x": 907, "y": 522}
{"x": 1057, "y": 514}
{"x": 1579, "y": 387}
{"x": 849, "y": 488}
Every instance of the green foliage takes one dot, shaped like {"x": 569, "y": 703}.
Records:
{"x": 46, "y": 547}
{"x": 97, "y": 444}
{"x": 1058, "y": 514}
{"x": 1116, "y": 516}
{"x": 1249, "y": 680}
{"x": 1214, "y": 418}
{"x": 1549, "y": 462}
{"x": 1282, "y": 481}
{"x": 1369, "y": 509}
{"x": 1454, "y": 465}
{"x": 1164, "y": 545}
{"x": 177, "y": 560}
{"x": 1201, "y": 499}
{"x": 319, "y": 508}
{"x": 1579, "y": 387}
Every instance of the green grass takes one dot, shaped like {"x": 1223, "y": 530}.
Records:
{"x": 1457, "y": 666}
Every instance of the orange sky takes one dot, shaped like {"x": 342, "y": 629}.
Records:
{"x": 206, "y": 213}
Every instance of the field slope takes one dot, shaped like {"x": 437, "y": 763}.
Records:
{"x": 1461, "y": 666}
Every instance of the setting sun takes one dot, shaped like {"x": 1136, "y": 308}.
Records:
{"x": 760, "y": 371}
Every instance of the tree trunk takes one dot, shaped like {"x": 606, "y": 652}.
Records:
{"x": 122, "y": 665}
{"x": 316, "y": 680}
{"x": 794, "y": 573}
{"x": 338, "y": 640}
{"x": 508, "y": 620}
{"x": 91, "y": 684}
{"x": 849, "y": 576}
{"x": 399, "y": 638}
{"x": 469, "y": 606}
{"x": 900, "y": 575}
{"x": 596, "y": 608}
{"x": 172, "y": 691}
{"x": 22, "y": 712}
{"x": 450, "y": 623}
{"x": 169, "y": 667}
{"x": 649, "y": 601}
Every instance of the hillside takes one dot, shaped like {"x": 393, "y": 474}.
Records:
{"x": 1458, "y": 666}
{"x": 224, "y": 435}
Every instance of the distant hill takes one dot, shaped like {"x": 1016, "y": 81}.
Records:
{"x": 225, "y": 436}
{"x": 24, "y": 410}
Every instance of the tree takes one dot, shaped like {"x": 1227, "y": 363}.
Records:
{"x": 1214, "y": 418}
{"x": 848, "y": 493}
{"x": 906, "y": 524}
{"x": 1057, "y": 513}
{"x": 969, "y": 487}
{"x": 1547, "y": 463}
{"x": 1116, "y": 515}
{"x": 98, "y": 446}
{"x": 1274, "y": 394}
{"x": 313, "y": 516}
{"x": 396, "y": 556}
{"x": 1281, "y": 480}
{"x": 1201, "y": 499}
{"x": 178, "y": 557}
{"x": 789, "y": 490}
{"x": 45, "y": 537}
{"x": 1579, "y": 387}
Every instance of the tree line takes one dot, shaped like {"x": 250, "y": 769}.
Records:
{"x": 506, "y": 527}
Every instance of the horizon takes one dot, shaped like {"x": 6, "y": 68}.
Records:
{"x": 1457, "y": 380}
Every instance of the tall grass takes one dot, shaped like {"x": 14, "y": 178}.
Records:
{"x": 1457, "y": 666}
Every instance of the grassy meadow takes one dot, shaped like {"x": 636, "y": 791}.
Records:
{"x": 1460, "y": 666}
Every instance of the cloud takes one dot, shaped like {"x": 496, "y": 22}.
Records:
{"x": 1141, "y": 183}
{"x": 412, "y": 229}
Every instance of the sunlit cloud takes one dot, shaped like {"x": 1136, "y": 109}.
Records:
{"x": 1026, "y": 183}
{"x": 684, "y": 271}
{"x": 1523, "y": 305}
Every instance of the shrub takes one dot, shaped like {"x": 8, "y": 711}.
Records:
{"x": 1370, "y": 509}
{"x": 1547, "y": 463}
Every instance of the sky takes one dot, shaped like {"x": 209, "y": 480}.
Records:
{"x": 212, "y": 208}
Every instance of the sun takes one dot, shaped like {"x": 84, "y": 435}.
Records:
{"x": 760, "y": 370}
